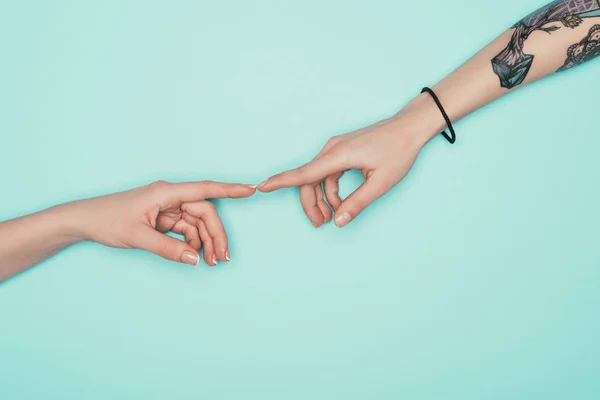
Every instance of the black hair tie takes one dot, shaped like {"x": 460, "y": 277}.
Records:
{"x": 452, "y": 137}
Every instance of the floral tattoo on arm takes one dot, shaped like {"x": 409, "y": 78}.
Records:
{"x": 588, "y": 48}
{"x": 512, "y": 65}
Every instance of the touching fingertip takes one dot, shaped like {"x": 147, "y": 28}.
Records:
{"x": 264, "y": 187}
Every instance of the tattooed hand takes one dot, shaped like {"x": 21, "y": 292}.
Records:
{"x": 384, "y": 153}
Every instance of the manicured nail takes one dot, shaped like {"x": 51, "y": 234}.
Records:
{"x": 252, "y": 186}
{"x": 342, "y": 219}
{"x": 190, "y": 258}
{"x": 214, "y": 260}
{"x": 227, "y": 256}
{"x": 262, "y": 184}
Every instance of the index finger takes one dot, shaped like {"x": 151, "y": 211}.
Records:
{"x": 312, "y": 172}
{"x": 196, "y": 191}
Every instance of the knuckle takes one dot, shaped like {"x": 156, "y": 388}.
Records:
{"x": 333, "y": 141}
{"x": 206, "y": 208}
{"x": 330, "y": 181}
{"x": 158, "y": 185}
{"x": 332, "y": 191}
{"x": 341, "y": 149}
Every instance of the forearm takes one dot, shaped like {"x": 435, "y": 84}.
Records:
{"x": 31, "y": 239}
{"x": 556, "y": 37}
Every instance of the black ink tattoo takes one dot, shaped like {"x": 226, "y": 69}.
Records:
{"x": 588, "y": 48}
{"x": 512, "y": 64}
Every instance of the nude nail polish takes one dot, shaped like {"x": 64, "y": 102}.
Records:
{"x": 190, "y": 258}
{"x": 227, "y": 256}
{"x": 343, "y": 219}
{"x": 214, "y": 260}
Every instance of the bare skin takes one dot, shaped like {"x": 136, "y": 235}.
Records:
{"x": 136, "y": 218}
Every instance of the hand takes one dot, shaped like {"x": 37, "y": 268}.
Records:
{"x": 384, "y": 152}
{"x": 139, "y": 218}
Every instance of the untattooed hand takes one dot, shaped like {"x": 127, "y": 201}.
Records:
{"x": 139, "y": 218}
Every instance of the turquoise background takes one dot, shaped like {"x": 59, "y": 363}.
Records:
{"x": 476, "y": 278}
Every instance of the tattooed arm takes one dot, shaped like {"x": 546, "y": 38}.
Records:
{"x": 554, "y": 38}
{"x": 513, "y": 64}
{"x": 557, "y": 37}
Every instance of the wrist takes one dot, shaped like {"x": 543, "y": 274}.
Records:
{"x": 68, "y": 222}
{"x": 421, "y": 119}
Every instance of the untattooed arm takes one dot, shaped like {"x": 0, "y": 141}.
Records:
{"x": 557, "y": 37}
{"x": 136, "y": 218}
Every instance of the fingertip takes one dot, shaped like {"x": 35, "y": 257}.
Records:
{"x": 315, "y": 217}
{"x": 208, "y": 256}
{"x": 279, "y": 181}
{"x": 250, "y": 190}
{"x": 190, "y": 257}
{"x": 222, "y": 255}
{"x": 342, "y": 219}
{"x": 265, "y": 186}
{"x": 325, "y": 211}
{"x": 242, "y": 190}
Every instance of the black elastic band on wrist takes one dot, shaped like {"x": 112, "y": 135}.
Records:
{"x": 452, "y": 137}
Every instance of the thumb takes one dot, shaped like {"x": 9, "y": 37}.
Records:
{"x": 372, "y": 189}
{"x": 165, "y": 246}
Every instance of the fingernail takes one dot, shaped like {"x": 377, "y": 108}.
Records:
{"x": 214, "y": 260}
{"x": 252, "y": 186}
{"x": 227, "y": 256}
{"x": 190, "y": 258}
{"x": 263, "y": 183}
{"x": 343, "y": 219}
